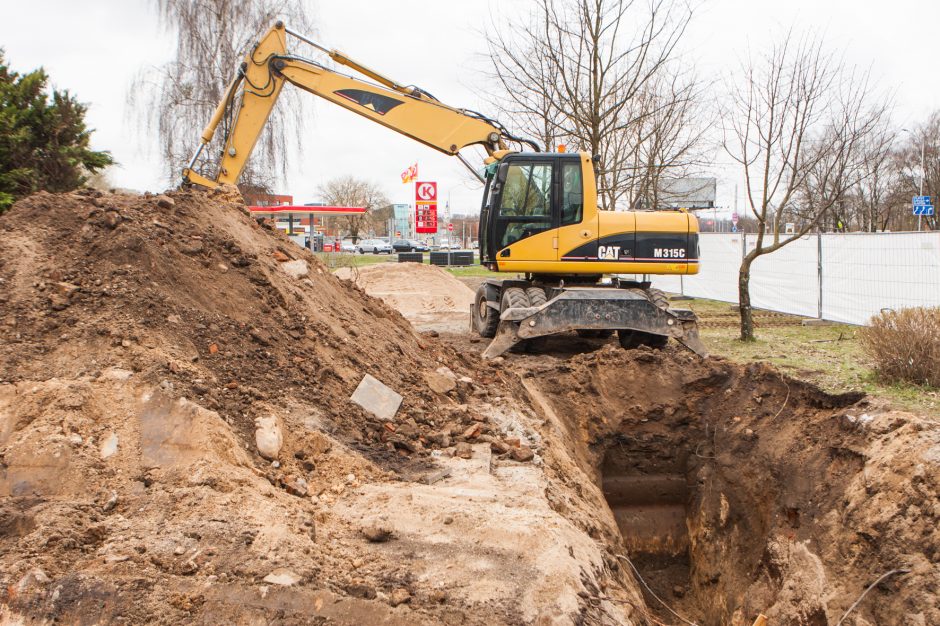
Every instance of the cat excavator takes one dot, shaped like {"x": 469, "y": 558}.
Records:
{"x": 577, "y": 267}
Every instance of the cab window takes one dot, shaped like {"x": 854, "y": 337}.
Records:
{"x": 527, "y": 191}
{"x": 572, "y": 194}
{"x": 525, "y": 206}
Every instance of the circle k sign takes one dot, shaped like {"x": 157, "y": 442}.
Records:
{"x": 426, "y": 192}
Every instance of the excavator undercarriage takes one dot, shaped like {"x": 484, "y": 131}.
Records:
{"x": 513, "y": 311}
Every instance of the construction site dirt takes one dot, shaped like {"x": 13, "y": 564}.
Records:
{"x": 178, "y": 445}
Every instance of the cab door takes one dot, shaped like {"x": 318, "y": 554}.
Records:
{"x": 524, "y": 217}
{"x": 576, "y": 237}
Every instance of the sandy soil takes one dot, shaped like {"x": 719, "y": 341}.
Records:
{"x": 428, "y": 296}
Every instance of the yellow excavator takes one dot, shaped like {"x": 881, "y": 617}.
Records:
{"x": 539, "y": 218}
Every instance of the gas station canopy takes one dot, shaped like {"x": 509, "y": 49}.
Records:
{"x": 287, "y": 209}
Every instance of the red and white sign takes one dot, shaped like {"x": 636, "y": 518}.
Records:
{"x": 425, "y": 192}
{"x": 425, "y": 207}
{"x": 450, "y": 227}
{"x": 426, "y": 217}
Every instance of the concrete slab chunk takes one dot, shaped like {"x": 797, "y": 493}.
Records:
{"x": 376, "y": 398}
{"x": 295, "y": 269}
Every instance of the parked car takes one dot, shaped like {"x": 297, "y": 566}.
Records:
{"x": 375, "y": 246}
{"x": 348, "y": 246}
{"x": 409, "y": 245}
{"x": 446, "y": 244}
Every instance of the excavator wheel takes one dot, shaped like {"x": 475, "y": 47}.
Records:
{"x": 513, "y": 297}
{"x": 517, "y": 297}
{"x": 485, "y": 317}
{"x": 536, "y": 296}
{"x": 658, "y": 298}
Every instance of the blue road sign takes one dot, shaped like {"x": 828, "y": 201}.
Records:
{"x": 922, "y": 205}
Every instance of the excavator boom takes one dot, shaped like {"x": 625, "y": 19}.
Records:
{"x": 406, "y": 110}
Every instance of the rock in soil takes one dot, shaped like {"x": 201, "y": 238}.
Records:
{"x": 399, "y": 596}
{"x": 268, "y": 437}
{"x": 377, "y": 534}
{"x": 283, "y": 577}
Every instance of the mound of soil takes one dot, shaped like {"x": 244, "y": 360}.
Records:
{"x": 152, "y": 346}
{"x": 426, "y": 295}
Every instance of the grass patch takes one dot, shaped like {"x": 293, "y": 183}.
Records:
{"x": 334, "y": 260}
{"x": 829, "y": 356}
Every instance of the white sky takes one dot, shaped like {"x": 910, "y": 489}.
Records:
{"x": 95, "y": 48}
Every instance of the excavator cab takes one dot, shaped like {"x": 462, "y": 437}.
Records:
{"x": 530, "y": 195}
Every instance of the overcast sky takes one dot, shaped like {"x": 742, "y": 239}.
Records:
{"x": 94, "y": 48}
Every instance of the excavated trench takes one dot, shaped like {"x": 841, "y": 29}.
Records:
{"x": 664, "y": 495}
{"x": 648, "y": 491}
{"x": 727, "y": 488}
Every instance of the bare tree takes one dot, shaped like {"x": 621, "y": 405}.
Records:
{"x": 579, "y": 71}
{"x": 354, "y": 192}
{"x": 796, "y": 124}
{"x": 176, "y": 100}
{"x": 664, "y": 144}
{"x": 534, "y": 111}
{"x": 872, "y": 195}
{"x": 918, "y": 161}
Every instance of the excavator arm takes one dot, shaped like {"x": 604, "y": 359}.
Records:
{"x": 250, "y": 97}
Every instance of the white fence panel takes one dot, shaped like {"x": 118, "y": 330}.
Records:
{"x": 786, "y": 280}
{"x": 862, "y": 273}
{"x": 669, "y": 284}
{"x": 866, "y": 272}
{"x": 717, "y": 279}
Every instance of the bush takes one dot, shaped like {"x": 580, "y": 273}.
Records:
{"x": 905, "y": 345}
{"x": 44, "y": 143}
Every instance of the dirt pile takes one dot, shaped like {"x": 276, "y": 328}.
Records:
{"x": 735, "y": 490}
{"x": 150, "y": 344}
{"x": 426, "y": 295}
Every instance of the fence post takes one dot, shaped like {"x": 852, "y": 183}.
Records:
{"x": 819, "y": 274}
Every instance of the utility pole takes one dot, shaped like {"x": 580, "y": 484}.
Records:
{"x": 923, "y": 170}
{"x": 923, "y": 175}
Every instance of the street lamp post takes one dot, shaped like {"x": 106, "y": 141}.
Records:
{"x": 923, "y": 175}
{"x": 923, "y": 172}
